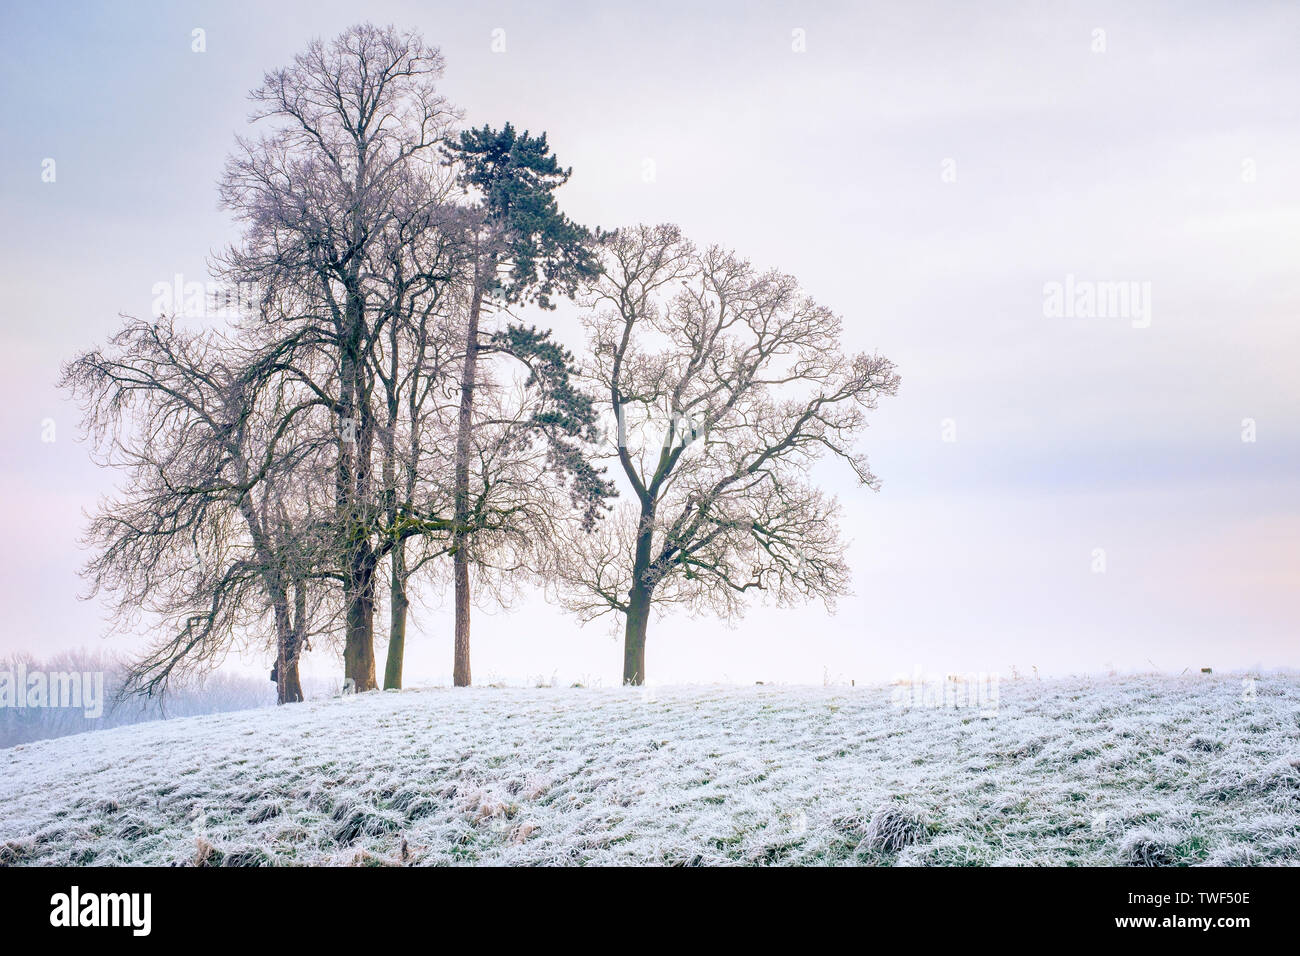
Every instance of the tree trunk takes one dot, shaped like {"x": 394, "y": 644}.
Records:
{"x": 283, "y": 638}
{"x": 460, "y": 537}
{"x": 292, "y": 684}
{"x": 638, "y": 615}
{"x": 353, "y": 487}
{"x": 460, "y": 674}
{"x": 397, "y": 603}
{"x": 359, "y": 647}
{"x": 639, "y": 601}
{"x": 288, "y": 686}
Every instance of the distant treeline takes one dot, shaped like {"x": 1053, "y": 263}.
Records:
{"x": 22, "y": 722}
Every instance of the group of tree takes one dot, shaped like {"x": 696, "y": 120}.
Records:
{"x": 378, "y": 417}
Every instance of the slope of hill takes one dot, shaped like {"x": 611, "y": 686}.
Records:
{"x": 1142, "y": 770}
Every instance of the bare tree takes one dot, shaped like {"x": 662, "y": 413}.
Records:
{"x": 356, "y": 126}
{"x": 213, "y": 531}
{"x": 723, "y": 385}
{"x": 418, "y": 277}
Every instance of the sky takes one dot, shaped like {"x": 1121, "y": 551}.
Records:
{"x": 1075, "y": 491}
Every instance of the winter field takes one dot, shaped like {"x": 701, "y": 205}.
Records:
{"x": 1106, "y": 771}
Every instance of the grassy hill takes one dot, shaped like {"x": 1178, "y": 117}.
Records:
{"x": 1141, "y": 770}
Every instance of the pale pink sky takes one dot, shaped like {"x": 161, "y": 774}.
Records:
{"x": 1170, "y": 159}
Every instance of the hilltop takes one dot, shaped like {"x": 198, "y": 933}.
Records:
{"x": 1107, "y": 771}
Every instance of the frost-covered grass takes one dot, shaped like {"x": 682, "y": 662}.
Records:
{"x": 1124, "y": 771}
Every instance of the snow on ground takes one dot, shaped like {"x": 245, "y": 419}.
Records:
{"x": 1140, "y": 770}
